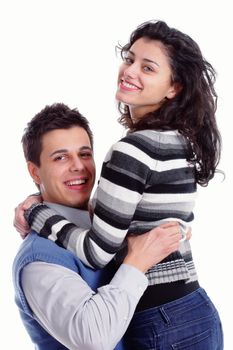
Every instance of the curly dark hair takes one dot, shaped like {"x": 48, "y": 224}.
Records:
{"x": 192, "y": 110}
{"x": 52, "y": 117}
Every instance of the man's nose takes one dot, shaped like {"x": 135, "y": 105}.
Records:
{"x": 76, "y": 164}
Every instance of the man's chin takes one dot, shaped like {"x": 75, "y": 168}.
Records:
{"x": 78, "y": 205}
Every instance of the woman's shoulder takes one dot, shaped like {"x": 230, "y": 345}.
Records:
{"x": 155, "y": 138}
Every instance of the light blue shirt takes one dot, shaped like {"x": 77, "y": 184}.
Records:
{"x": 58, "y": 296}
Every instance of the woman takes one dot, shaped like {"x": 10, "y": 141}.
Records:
{"x": 167, "y": 103}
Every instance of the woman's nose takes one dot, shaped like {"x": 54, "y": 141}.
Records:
{"x": 131, "y": 71}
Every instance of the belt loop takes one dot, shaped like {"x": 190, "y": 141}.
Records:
{"x": 164, "y": 315}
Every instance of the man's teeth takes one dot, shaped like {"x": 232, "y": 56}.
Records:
{"x": 76, "y": 182}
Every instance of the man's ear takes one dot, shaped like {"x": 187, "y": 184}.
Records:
{"x": 174, "y": 90}
{"x": 34, "y": 172}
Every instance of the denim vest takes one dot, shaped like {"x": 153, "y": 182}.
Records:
{"x": 35, "y": 248}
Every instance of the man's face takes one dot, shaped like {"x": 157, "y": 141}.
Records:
{"x": 66, "y": 174}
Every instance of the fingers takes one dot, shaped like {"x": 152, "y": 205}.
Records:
{"x": 23, "y": 233}
{"x": 189, "y": 234}
{"x": 27, "y": 203}
{"x": 169, "y": 224}
{"x": 19, "y": 222}
{"x": 186, "y": 234}
{"x": 21, "y": 227}
{"x": 170, "y": 230}
{"x": 172, "y": 248}
{"x": 173, "y": 227}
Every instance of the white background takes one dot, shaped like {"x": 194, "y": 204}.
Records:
{"x": 64, "y": 51}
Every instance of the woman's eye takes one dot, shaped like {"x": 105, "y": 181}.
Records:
{"x": 128, "y": 60}
{"x": 147, "y": 69}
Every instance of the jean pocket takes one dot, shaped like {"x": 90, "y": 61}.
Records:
{"x": 199, "y": 341}
{"x": 141, "y": 338}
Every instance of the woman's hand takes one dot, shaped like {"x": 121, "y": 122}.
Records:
{"x": 20, "y": 222}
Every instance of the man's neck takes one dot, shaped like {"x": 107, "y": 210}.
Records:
{"x": 77, "y": 216}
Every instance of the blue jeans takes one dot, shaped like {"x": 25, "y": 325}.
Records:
{"x": 188, "y": 323}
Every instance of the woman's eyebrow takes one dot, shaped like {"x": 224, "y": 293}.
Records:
{"x": 145, "y": 59}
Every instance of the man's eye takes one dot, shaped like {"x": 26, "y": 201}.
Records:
{"x": 62, "y": 157}
{"x": 86, "y": 155}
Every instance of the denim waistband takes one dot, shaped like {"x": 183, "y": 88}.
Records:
{"x": 162, "y": 313}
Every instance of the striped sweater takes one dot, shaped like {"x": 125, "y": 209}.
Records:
{"x": 145, "y": 181}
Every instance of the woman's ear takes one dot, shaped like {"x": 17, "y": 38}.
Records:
{"x": 34, "y": 172}
{"x": 174, "y": 90}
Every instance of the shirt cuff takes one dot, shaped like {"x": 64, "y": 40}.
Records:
{"x": 130, "y": 279}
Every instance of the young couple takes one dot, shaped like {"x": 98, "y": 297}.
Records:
{"x": 148, "y": 184}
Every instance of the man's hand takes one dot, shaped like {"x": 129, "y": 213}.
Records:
{"x": 19, "y": 222}
{"x": 150, "y": 248}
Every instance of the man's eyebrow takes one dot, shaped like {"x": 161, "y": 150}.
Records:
{"x": 58, "y": 151}
{"x": 85, "y": 148}
{"x": 145, "y": 59}
{"x": 64, "y": 150}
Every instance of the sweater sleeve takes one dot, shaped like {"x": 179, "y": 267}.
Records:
{"x": 121, "y": 185}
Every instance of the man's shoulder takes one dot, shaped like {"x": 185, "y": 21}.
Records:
{"x": 33, "y": 243}
{"x": 36, "y": 248}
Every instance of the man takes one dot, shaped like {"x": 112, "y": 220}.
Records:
{"x": 61, "y": 301}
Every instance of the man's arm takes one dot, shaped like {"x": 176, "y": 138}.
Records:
{"x": 71, "y": 312}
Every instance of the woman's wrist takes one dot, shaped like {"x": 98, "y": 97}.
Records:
{"x": 30, "y": 212}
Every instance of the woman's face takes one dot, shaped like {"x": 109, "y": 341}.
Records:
{"x": 144, "y": 79}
